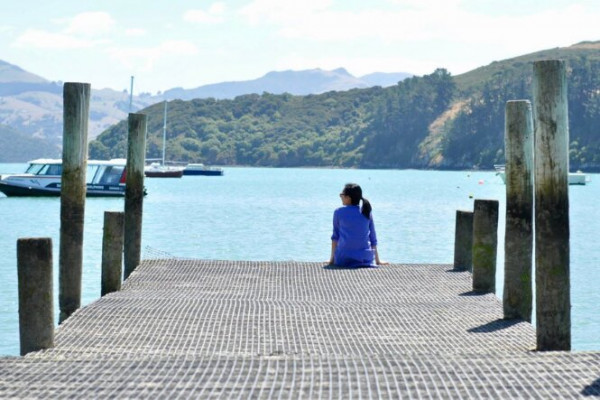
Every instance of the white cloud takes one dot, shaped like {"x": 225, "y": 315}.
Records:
{"x": 145, "y": 59}
{"x": 214, "y": 15}
{"x": 82, "y": 31}
{"x": 430, "y": 5}
{"x": 136, "y": 32}
{"x": 90, "y": 24}
{"x": 419, "y": 36}
{"x": 48, "y": 40}
{"x": 320, "y": 21}
{"x": 281, "y": 12}
{"x": 421, "y": 21}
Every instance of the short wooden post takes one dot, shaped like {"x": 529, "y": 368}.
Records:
{"x": 112, "y": 252}
{"x": 485, "y": 245}
{"x": 76, "y": 99}
{"x": 463, "y": 241}
{"x": 134, "y": 191}
{"x": 518, "y": 241}
{"x": 36, "y": 301}
{"x": 552, "y": 254}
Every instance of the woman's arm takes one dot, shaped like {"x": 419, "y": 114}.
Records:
{"x": 333, "y": 247}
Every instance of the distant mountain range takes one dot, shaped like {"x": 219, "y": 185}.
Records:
{"x": 31, "y": 106}
{"x": 312, "y": 81}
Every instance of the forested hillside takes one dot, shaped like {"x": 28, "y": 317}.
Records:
{"x": 33, "y": 106}
{"x": 434, "y": 121}
{"x": 475, "y": 136}
{"x": 361, "y": 127}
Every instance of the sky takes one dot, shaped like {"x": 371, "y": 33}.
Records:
{"x": 190, "y": 43}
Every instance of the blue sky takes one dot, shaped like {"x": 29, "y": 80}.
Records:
{"x": 167, "y": 44}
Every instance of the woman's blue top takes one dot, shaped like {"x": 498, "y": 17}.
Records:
{"x": 355, "y": 236}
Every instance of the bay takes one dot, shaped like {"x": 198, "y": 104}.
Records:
{"x": 286, "y": 214}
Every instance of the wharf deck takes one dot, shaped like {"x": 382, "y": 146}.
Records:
{"x": 222, "y": 329}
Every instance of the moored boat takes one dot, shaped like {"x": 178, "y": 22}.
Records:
{"x": 156, "y": 170}
{"x": 575, "y": 178}
{"x": 201, "y": 169}
{"x": 43, "y": 178}
{"x": 161, "y": 170}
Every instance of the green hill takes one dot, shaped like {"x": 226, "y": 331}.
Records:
{"x": 473, "y": 136}
{"x": 332, "y": 129}
{"x": 434, "y": 121}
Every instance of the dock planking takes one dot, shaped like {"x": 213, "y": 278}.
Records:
{"x": 206, "y": 328}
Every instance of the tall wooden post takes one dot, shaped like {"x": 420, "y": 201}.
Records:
{"x": 134, "y": 191}
{"x": 463, "y": 241}
{"x": 112, "y": 252}
{"x": 36, "y": 301}
{"x": 518, "y": 242}
{"x": 76, "y": 104}
{"x": 485, "y": 245}
{"x": 553, "y": 298}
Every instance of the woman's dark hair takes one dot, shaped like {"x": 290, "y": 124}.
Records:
{"x": 354, "y": 191}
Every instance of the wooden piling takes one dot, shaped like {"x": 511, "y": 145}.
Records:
{"x": 76, "y": 105}
{"x": 36, "y": 300}
{"x": 463, "y": 241}
{"x": 552, "y": 254}
{"x": 518, "y": 242}
{"x": 134, "y": 191}
{"x": 485, "y": 245}
{"x": 112, "y": 252}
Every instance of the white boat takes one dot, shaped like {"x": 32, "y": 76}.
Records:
{"x": 157, "y": 170}
{"x": 161, "y": 170}
{"x": 43, "y": 178}
{"x": 575, "y": 178}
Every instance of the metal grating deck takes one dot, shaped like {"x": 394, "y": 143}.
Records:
{"x": 235, "y": 329}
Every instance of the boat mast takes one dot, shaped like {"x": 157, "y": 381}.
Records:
{"x": 131, "y": 94}
{"x": 164, "y": 133}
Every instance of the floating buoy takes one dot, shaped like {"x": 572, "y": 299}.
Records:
{"x": 481, "y": 181}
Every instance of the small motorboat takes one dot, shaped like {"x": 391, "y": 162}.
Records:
{"x": 43, "y": 178}
{"x": 201, "y": 169}
{"x": 575, "y": 178}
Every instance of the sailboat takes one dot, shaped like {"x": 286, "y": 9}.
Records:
{"x": 160, "y": 170}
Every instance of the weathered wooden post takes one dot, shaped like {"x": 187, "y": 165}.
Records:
{"x": 463, "y": 241}
{"x": 518, "y": 242}
{"x": 36, "y": 301}
{"x": 134, "y": 191}
{"x": 485, "y": 245}
{"x": 76, "y": 105}
{"x": 112, "y": 252}
{"x": 551, "y": 129}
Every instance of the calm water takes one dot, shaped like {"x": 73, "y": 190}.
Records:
{"x": 285, "y": 214}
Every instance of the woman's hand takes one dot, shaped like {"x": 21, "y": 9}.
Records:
{"x": 377, "y": 260}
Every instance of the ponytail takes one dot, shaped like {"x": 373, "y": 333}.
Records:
{"x": 366, "y": 208}
{"x": 355, "y": 193}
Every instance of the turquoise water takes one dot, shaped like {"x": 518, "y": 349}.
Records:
{"x": 285, "y": 214}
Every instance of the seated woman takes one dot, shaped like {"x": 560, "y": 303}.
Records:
{"x": 354, "y": 241}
